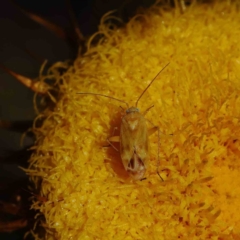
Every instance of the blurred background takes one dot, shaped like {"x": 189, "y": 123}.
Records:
{"x": 24, "y": 44}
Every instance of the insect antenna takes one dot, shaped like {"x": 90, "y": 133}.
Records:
{"x": 102, "y": 95}
{"x": 151, "y": 83}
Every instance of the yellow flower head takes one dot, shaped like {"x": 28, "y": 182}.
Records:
{"x": 196, "y": 107}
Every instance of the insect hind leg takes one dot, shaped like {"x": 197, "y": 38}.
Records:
{"x": 150, "y": 132}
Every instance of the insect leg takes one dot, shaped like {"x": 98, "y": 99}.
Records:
{"x": 147, "y": 110}
{"x": 113, "y": 139}
{"x": 159, "y": 154}
{"x": 150, "y": 132}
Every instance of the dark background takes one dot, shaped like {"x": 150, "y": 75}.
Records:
{"x": 18, "y": 33}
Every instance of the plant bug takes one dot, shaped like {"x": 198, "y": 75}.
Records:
{"x": 134, "y": 136}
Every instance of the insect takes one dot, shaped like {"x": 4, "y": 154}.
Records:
{"x": 134, "y": 136}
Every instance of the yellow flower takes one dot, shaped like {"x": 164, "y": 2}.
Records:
{"x": 196, "y": 106}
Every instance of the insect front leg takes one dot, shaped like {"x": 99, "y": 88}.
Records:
{"x": 147, "y": 110}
